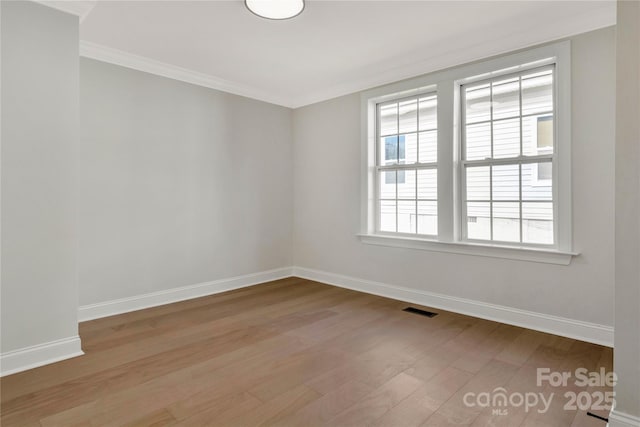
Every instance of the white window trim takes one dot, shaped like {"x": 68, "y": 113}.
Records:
{"x": 447, "y": 85}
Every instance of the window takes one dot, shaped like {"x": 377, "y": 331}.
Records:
{"x": 474, "y": 159}
{"x": 406, "y": 165}
{"x": 507, "y": 157}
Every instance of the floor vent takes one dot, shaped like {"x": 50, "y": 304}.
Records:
{"x": 420, "y": 312}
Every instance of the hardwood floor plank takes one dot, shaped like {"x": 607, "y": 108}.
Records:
{"x": 206, "y": 407}
{"x": 326, "y": 407}
{"x": 473, "y": 361}
{"x": 524, "y": 381}
{"x": 378, "y": 402}
{"x": 154, "y": 419}
{"x": 215, "y": 415}
{"x": 422, "y": 403}
{"x": 292, "y": 376}
{"x": 455, "y": 412}
{"x": 272, "y": 412}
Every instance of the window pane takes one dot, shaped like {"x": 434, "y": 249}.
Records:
{"x": 537, "y": 92}
{"x": 478, "y": 183}
{"x": 537, "y": 181}
{"x": 408, "y": 148}
{"x": 387, "y": 215}
{"x": 537, "y": 135}
{"x": 506, "y": 98}
{"x": 428, "y": 218}
{"x": 387, "y": 184}
{"x": 506, "y": 182}
{"x": 537, "y": 223}
{"x": 388, "y": 119}
{"x": 389, "y": 148}
{"x": 544, "y": 137}
{"x": 478, "y": 108}
{"x": 428, "y": 112}
{"x": 545, "y": 171}
{"x": 506, "y": 222}
{"x": 407, "y": 184}
{"x": 428, "y": 147}
{"x": 478, "y": 138}
{"x": 408, "y": 112}
{"x": 478, "y": 221}
{"x": 427, "y": 184}
{"x": 406, "y": 216}
{"x": 506, "y": 138}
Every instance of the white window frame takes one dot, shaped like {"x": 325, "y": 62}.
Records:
{"x": 447, "y": 84}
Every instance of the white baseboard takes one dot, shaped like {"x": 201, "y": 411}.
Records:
{"x": 590, "y": 332}
{"x": 139, "y": 302}
{"x": 584, "y": 331}
{"x": 620, "y": 419}
{"x": 22, "y": 359}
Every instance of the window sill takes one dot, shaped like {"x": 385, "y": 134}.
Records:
{"x": 547, "y": 256}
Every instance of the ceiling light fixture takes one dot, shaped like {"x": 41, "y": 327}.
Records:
{"x": 275, "y": 9}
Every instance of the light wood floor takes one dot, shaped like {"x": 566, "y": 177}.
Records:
{"x": 295, "y": 352}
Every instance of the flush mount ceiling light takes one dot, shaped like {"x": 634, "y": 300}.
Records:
{"x": 275, "y": 9}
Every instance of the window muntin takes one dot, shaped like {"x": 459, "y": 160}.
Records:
{"x": 507, "y": 148}
{"x": 406, "y": 165}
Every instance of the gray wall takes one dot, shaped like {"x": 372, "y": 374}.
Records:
{"x": 39, "y": 142}
{"x": 327, "y": 208}
{"x": 627, "y": 292}
{"x": 179, "y": 184}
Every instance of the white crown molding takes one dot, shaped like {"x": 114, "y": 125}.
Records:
{"x": 425, "y": 61}
{"x": 584, "y": 331}
{"x": 22, "y": 359}
{"x": 148, "y": 65}
{"x": 620, "y": 419}
{"x": 80, "y": 8}
{"x": 139, "y": 302}
{"x": 428, "y": 62}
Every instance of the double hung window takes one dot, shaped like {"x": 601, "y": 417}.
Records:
{"x": 473, "y": 157}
